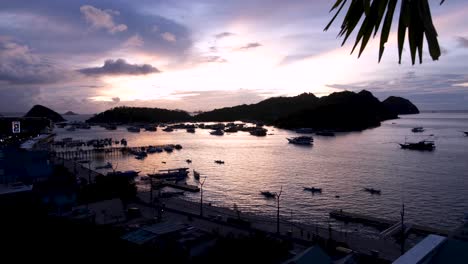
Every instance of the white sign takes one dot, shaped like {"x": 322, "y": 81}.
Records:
{"x": 16, "y": 127}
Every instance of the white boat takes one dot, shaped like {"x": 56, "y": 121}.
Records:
{"x": 301, "y": 140}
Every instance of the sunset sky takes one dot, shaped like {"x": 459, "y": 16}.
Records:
{"x": 88, "y": 56}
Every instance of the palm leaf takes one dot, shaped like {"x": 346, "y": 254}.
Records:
{"x": 414, "y": 19}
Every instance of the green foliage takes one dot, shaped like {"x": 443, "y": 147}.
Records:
{"x": 139, "y": 114}
{"x": 267, "y": 110}
{"x": 415, "y": 18}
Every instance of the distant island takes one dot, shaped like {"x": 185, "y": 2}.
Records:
{"x": 400, "y": 106}
{"x": 42, "y": 111}
{"x": 340, "y": 111}
{"x": 70, "y": 113}
{"x": 126, "y": 114}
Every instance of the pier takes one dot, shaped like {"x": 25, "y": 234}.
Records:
{"x": 87, "y": 153}
{"x": 387, "y": 224}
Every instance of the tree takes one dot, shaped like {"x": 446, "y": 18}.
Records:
{"x": 415, "y": 16}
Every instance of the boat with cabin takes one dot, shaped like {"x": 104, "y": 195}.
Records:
{"x": 424, "y": 145}
{"x": 259, "y": 132}
{"x": 179, "y": 173}
{"x": 217, "y": 132}
{"x": 301, "y": 140}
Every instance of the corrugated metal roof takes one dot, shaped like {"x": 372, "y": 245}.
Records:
{"x": 164, "y": 228}
{"x": 421, "y": 251}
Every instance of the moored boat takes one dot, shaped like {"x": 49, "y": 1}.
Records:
{"x": 301, "y": 140}
{"x": 191, "y": 130}
{"x": 424, "y": 145}
{"x": 313, "y": 189}
{"x": 259, "y": 132}
{"x": 133, "y": 129}
{"x": 168, "y": 129}
{"x": 372, "y": 191}
{"x": 129, "y": 174}
{"x": 219, "y": 161}
{"x": 217, "y": 132}
{"x": 178, "y": 173}
{"x": 417, "y": 130}
{"x": 268, "y": 194}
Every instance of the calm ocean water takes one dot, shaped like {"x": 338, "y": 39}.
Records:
{"x": 432, "y": 185}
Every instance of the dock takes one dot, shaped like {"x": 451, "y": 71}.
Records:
{"x": 87, "y": 153}
{"x": 387, "y": 224}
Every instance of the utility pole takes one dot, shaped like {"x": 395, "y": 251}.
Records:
{"x": 201, "y": 195}
{"x": 278, "y": 195}
{"x": 402, "y": 229}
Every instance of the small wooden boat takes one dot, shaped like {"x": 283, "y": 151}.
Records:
{"x": 268, "y": 194}
{"x": 188, "y": 160}
{"x": 372, "y": 191}
{"x": 219, "y": 161}
{"x": 313, "y": 189}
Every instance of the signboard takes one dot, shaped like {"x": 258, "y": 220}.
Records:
{"x": 16, "y": 127}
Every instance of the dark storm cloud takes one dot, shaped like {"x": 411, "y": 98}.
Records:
{"x": 93, "y": 27}
{"x": 120, "y": 67}
{"x": 19, "y": 65}
{"x": 250, "y": 46}
{"x": 223, "y": 35}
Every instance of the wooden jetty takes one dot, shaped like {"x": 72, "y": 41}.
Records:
{"x": 385, "y": 223}
{"x": 87, "y": 153}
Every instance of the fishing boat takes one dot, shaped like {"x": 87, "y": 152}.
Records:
{"x": 259, "y": 132}
{"x": 424, "y": 145}
{"x": 417, "y": 130}
{"x": 133, "y": 129}
{"x": 217, "y": 132}
{"x": 168, "y": 129}
{"x": 152, "y": 149}
{"x": 196, "y": 175}
{"x": 178, "y": 173}
{"x": 107, "y": 166}
{"x": 191, "y": 130}
{"x": 188, "y": 160}
{"x": 268, "y": 194}
{"x": 313, "y": 189}
{"x": 168, "y": 148}
{"x": 178, "y": 146}
{"x": 372, "y": 191}
{"x": 219, "y": 161}
{"x": 301, "y": 140}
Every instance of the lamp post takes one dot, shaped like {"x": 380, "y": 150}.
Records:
{"x": 278, "y": 195}
{"x": 201, "y": 195}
